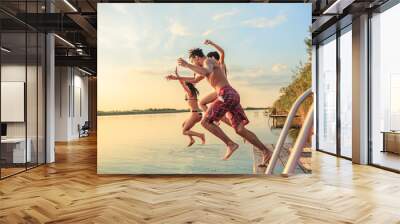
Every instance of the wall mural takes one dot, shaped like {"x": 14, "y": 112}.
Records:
{"x": 193, "y": 88}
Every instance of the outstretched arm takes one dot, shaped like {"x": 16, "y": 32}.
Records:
{"x": 203, "y": 71}
{"x": 196, "y": 79}
{"x": 177, "y": 77}
{"x": 219, "y": 49}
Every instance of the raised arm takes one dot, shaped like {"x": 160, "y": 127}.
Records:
{"x": 187, "y": 90}
{"x": 219, "y": 49}
{"x": 181, "y": 80}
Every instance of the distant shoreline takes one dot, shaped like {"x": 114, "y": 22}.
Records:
{"x": 155, "y": 111}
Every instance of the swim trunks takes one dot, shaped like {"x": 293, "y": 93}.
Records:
{"x": 228, "y": 100}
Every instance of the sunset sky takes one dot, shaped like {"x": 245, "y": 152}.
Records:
{"x": 138, "y": 45}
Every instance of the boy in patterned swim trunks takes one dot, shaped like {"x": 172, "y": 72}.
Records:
{"x": 228, "y": 101}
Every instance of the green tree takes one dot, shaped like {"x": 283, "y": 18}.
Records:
{"x": 301, "y": 81}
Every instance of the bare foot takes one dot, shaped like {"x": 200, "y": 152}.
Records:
{"x": 203, "y": 139}
{"x": 266, "y": 157}
{"x": 191, "y": 142}
{"x": 230, "y": 149}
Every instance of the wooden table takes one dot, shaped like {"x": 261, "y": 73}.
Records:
{"x": 391, "y": 141}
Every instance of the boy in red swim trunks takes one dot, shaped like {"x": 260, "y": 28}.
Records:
{"x": 228, "y": 101}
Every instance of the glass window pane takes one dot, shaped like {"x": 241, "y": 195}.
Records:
{"x": 41, "y": 98}
{"x": 346, "y": 93}
{"x": 385, "y": 84}
{"x": 22, "y": 89}
{"x": 31, "y": 97}
{"x": 13, "y": 86}
{"x": 327, "y": 95}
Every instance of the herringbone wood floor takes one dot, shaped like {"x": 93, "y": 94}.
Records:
{"x": 69, "y": 191}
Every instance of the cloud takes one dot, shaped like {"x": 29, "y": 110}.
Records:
{"x": 148, "y": 72}
{"x": 120, "y": 8}
{"x": 257, "y": 77}
{"x": 207, "y": 32}
{"x": 123, "y": 37}
{"x": 276, "y": 68}
{"x": 222, "y": 15}
{"x": 178, "y": 29}
{"x": 263, "y": 81}
{"x": 265, "y": 22}
{"x": 252, "y": 72}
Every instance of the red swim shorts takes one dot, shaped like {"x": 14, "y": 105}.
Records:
{"x": 228, "y": 100}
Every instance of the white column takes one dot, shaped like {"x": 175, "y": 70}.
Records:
{"x": 50, "y": 92}
{"x": 63, "y": 103}
{"x": 50, "y": 99}
{"x": 360, "y": 90}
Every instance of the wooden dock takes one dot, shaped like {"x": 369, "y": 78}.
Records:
{"x": 304, "y": 164}
{"x": 268, "y": 111}
{"x": 278, "y": 120}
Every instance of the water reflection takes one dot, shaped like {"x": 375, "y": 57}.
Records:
{"x": 154, "y": 144}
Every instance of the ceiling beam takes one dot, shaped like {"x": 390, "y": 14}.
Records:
{"x": 49, "y": 22}
{"x": 82, "y": 61}
{"x": 84, "y": 24}
{"x": 337, "y": 7}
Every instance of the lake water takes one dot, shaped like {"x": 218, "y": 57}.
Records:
{"x": 154, "y": 144}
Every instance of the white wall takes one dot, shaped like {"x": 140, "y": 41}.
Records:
{"x": 71, "y": 87}
{"x": 81, "y": 89}
{"x": 62, "y": 82}
{"x": 33, "y": 127}
{"x": 12, "y": 73}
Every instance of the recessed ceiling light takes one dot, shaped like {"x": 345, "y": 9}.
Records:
{"x": 5, "y": 50}
{"x": 70, "y": 5}
{"x": 64, "y": 40}
{"x": 337, "y": 7}
{"x": 84, "y": 71}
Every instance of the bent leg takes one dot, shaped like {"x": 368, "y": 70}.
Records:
{"x": 217, "y": 131}
{"x": 216, "y": 111}
{"x": 201, "y": 136}
{"x": 214, "y": 114}
{"x": 226, "y": 121}
{"x": 211, "y": 97}
{"x": 194, "y": 119}
{"x": 255, "y": 141}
